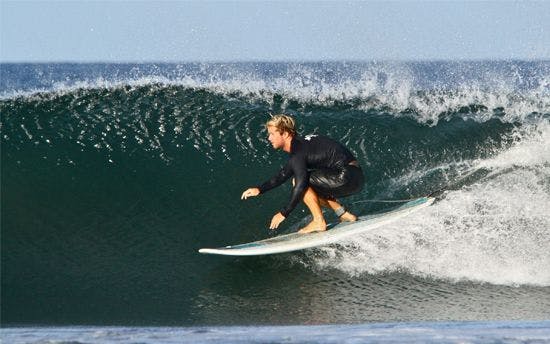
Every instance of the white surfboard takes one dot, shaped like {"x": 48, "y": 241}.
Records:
{"x": 295, "y": 241}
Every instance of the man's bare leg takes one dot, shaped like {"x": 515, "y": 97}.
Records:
{"x": 312, "y": 202}
{"x": 333, "y": 204}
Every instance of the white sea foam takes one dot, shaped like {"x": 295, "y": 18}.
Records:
{"x": 496, "y": 230}
{"x": 391, "y": 87}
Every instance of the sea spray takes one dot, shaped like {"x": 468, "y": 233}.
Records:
{"x": 495, "y": 230}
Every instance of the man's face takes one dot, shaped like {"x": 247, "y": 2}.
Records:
{"x": 276, "y": 138}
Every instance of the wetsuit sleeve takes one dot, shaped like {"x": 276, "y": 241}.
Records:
{"x": 278, "y": 179}
{"x": 301, "y": 177}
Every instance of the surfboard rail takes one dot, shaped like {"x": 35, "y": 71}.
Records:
{"x": 295, "y": 241}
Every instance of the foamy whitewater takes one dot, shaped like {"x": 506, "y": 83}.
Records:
{"x": 496, "y": 230}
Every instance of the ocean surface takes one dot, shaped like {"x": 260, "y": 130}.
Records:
{"x": 114, "y": 175}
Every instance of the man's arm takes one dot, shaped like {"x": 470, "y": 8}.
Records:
{"x": 275, "y": 181}
{"x": 301, "y": 179}
{"x": 301, "y": 182}
{"x": 278, "y": 179}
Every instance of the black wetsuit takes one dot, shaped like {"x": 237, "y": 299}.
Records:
{"x": 321, "y": 163}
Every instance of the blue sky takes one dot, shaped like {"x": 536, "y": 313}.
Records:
{"x": 179, "y": 31}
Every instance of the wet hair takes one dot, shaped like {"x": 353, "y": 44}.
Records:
{"x": 283, "y": 123}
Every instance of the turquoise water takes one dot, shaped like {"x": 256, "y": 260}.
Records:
{"x": 113, "y": 176}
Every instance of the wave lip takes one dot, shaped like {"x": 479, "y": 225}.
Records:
{"x": 427, "y": 92}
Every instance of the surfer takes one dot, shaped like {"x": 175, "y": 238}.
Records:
{"x": 322, "y": 170}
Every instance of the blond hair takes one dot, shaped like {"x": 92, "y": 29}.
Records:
{"x": 283, "y": 123}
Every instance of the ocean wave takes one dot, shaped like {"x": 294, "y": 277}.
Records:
{"x": 493, "y": 164}
{"x": 162, "y": 119}
{"x": 494, "y": 230}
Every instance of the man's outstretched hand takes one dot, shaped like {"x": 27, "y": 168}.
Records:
{"x": 276, "y": 220}
{"x": 252, "y": 192}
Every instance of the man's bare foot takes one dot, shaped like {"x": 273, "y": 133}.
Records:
{"x": 314, "y": 226}
{"x": 348, "y": 217}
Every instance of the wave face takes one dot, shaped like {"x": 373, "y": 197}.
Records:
{"x": 114, "y": 175}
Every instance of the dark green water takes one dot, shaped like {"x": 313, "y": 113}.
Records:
{"x": 108, "y": 192}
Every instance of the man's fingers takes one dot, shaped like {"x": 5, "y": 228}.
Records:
{"x": 276, "y": 221}
{"x": 250, "y": 193}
